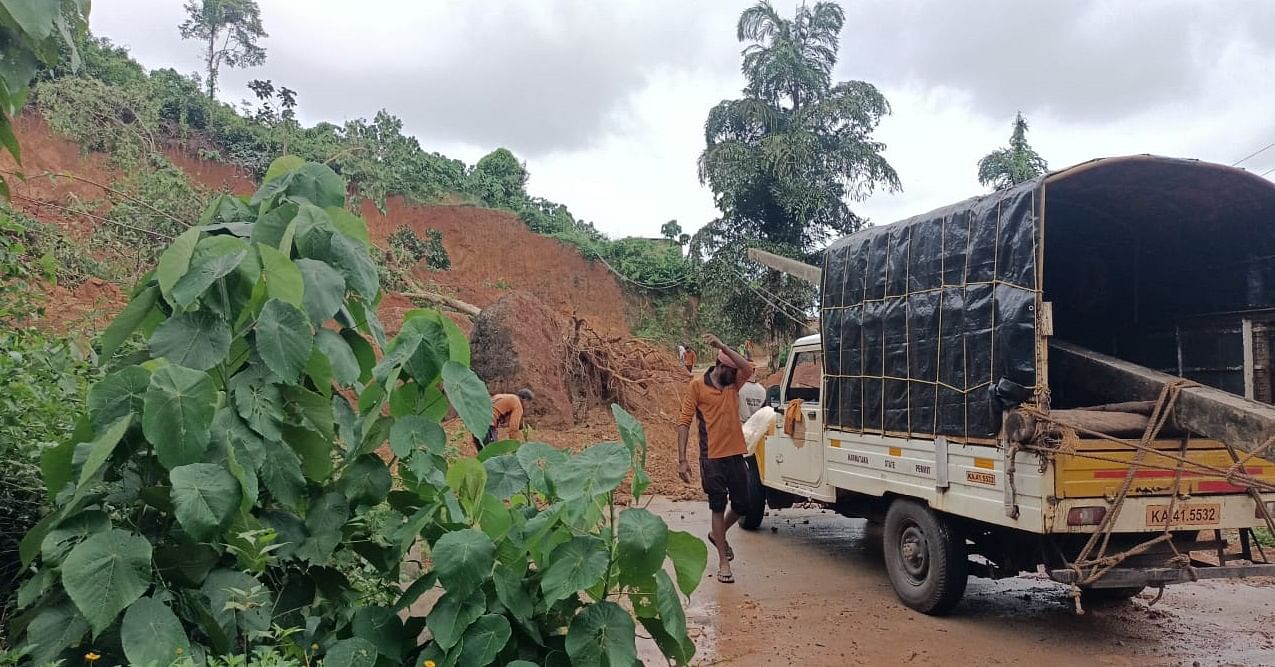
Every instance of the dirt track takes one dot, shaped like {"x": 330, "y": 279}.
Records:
{"x": 815, "y": 592}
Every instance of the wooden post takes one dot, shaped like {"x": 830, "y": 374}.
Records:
{"x": 802, "y": 270}
{"x": 1237, "y": 421}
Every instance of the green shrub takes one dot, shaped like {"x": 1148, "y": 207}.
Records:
{"x": 226, "y": 478}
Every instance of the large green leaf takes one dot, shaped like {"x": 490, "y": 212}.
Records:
{"x": 202, "y": 274}
{"x": 505, "y": 476}
{"x": 382, "y": 628}
{"x": 362, "y": 351}
{"x": 690, "y": 556}
{"x": 282, "y": 165}
{"x": 259, "y": 403}
{"x": 283, "y": 277}
{"x": 284, "y": 339}
{"x": 245, "y": 473}
{"x": 152, "y": 634}
{"x": 467, "y": 478}
{"x": 349, "y": 224}
{"x": 463, "y": 560}
{"x": 199, "y": 339}
{"x": 594, "y": 471}
{"x": 643, "y": 544}
{"x": 574, "y": 566}
{"x": 452, "y": 614}
{"x": 324, "y": 522}
{"x": 602, "y": 634}
{"x": 53, "y": 630}
{"x": 313, "y": 232}
{"x": 412, "y": 433}
{"x": 101, "y": 448}
{"x": 179, "y": 408}
{"x": 366, "y": 481}
{"x": 105, "y": 574}
{"x": 128, "y": 320}
{"x": 673, "y": 617}
{"x": 634, "y": 437}
{"x": 512, "y": 594}
{"x": 118, "y": 394}
{"x": 272, "y": 225}
{"x": 282, "y": 474}
{"x": 35, "y": 18}
{"x": 205, "y": 497}
{"x": 352, "y": 652}
{"x": 251, "y": 611}
{"x": 351, "y": 258}
{"x": 536, "y": 458}
{"x": 324, "y": 289}
{"x": 469, "y": 396}
{"x": 70, "y": 532}
{"x": 345, "y": 366}
{"x": 317, "y": 184}
{"x": 484, "y": 640}
{"x": 175, "y": 262}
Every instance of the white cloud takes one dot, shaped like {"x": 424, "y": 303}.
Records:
{"x": 606, "y": 100}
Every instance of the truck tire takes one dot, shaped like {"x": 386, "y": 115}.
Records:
{"x": 756, "y": 497}
{"x": 925, "y": 558}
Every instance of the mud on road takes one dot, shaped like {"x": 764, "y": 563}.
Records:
{"x": 812, "y": 590}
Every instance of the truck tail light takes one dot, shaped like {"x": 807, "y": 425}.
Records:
{"x": 1270, "y": 509}
{"x": 1086, "y": 516}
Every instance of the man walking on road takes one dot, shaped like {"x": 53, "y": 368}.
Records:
{"x": 688, "y": 359}
{"x": 713, "y": 399}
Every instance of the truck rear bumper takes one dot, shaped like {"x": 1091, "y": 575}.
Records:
{"x": 1122, "y": 577}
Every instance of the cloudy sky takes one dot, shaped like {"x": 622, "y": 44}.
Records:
{"x": 605, "y": 99}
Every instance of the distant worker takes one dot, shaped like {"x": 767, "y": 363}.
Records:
{"x": 681, "y": 353}
{"x": 507, "y": 411}
{"x": 688, "y": 359}
{"x": 713, "y": 399}
{"x": 752, "y": 396}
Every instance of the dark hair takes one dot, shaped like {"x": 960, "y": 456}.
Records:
{"x": 526, "y": 394}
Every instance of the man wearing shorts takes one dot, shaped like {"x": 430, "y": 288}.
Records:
{"x": 507, "y": 411}
{"x": 713, "y": 400}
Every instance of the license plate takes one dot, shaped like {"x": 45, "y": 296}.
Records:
{"x": 1185, "y": 514}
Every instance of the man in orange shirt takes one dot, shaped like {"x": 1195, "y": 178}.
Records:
{"x": 689, "y": 359}
{"x": 714, "y": 399}
{"x": 506, "y": 413}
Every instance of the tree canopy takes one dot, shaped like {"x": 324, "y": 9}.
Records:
{"x": 1019, "y": 162}
{"x": 783, "y": 160}
{"x": 229, "y": 30}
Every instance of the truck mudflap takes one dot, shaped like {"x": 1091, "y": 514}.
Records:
{"x": 1124, "y": 577}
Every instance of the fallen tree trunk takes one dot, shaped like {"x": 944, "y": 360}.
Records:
{"x": 1244, "y": 424}
{"x": 439, "y": 299}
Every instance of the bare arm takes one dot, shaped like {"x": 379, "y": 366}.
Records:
{"x": 744, "y": 367}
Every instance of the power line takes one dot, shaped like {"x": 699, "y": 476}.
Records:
{"x": 1267, "y": 171}
{"x": 779, "y": 309}
{"x": 1253, "y": 154}
{"x": 654, "y": 286}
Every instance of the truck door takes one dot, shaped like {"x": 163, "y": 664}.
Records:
{"x": 804, "y": 462}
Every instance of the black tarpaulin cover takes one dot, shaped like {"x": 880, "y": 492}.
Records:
{"x": 922, "y": 317}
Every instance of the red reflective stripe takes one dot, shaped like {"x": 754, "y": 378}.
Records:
{"x": 1219, "y": 487}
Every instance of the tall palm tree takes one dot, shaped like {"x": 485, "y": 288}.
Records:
{"x": 783, "y": 160}
{"x": 1019, "y": 162}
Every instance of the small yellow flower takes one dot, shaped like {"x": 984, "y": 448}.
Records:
{"x": 428, "y": 663}
{"x": 179, "y": 650}
{"x": 92, "y": 657}
{"x": 314, "y": 647}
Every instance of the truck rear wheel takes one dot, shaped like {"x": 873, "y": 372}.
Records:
{"x": 925, "y": 558}
{"x": 756, "y": 497}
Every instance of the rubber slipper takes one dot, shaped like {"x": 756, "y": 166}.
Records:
{"x": 730, "y": 552}
{"x": 725, "y": 577}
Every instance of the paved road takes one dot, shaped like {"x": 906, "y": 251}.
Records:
{"x": 812, "y": 590}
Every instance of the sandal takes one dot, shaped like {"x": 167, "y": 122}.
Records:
{"x": 725, "y": 577}
{"x": 730, "y": 553}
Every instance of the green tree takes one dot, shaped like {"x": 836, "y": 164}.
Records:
{"x": 671, "y": 230}
{"x": 229, "y": 30}
{"x": 499, "y": 179}
{"x": 782, "y": 160}
{"x": 1019, "y": 162}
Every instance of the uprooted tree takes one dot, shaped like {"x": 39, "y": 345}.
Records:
{"x": 229, "y": 457}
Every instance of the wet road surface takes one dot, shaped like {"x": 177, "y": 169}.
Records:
{"x": 811, "y": 589}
